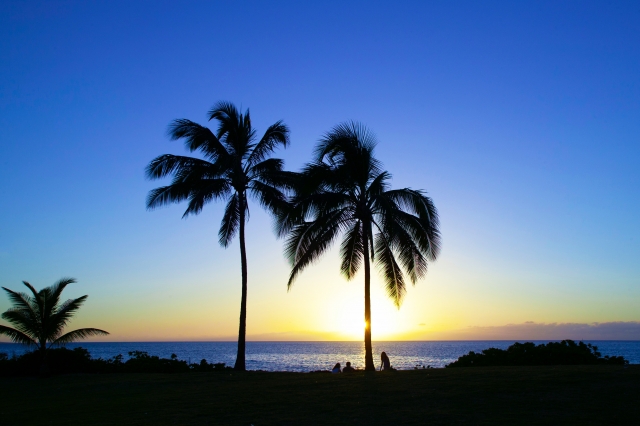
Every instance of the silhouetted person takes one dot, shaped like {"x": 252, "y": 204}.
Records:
{"x": 386, "y": 363}
{"x": 336, "y": 369}
{"x": 348, "y": 368}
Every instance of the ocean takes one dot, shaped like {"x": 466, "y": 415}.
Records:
{"x": 312, "y": 356}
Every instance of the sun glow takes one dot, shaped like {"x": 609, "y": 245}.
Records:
{"x": 344, "y": 317}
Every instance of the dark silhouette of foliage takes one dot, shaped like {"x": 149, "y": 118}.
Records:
{"x": 345, "y": 191}
{"x": 566, "y": 352}
{"x": 59, "y": 361}
{"x": 40, "y": 319}
{"x": 78, "y": 360}
{"x": 142, "y": 362}
{"x": 235, "y": 165}
{"x": 204, "y": 366}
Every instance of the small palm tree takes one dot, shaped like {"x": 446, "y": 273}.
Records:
{"x": 39, "y": 320}
{"x": 344, "y": 191}
{"x": 234, "y": 166}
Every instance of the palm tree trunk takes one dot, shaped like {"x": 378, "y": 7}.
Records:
{"x": 240, "y": 357}
{"x": 368, "y": 349}
{"x": 44, "y": 368}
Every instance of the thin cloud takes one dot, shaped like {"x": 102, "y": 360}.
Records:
{"x": 617, "y": 330}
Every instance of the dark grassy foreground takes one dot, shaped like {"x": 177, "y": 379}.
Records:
{"x": 492, "y": 395}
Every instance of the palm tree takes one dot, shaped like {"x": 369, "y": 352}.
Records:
{"x": 39, "y": 320}
{"x": 234, "y": 166}
{"x": 344, "y": 191}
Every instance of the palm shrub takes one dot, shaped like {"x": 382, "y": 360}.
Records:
{"x": 344, "y": 191}
{"x": 40, "y": 318}
{"x": 235, "y": 165}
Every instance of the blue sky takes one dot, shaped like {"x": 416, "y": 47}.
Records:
{"x": 521, "y": 120}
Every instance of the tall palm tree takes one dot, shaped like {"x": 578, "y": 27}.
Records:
{"x": 39, "y": 320}
{"x": 234, "y": 165}
{"x": 345, "y": 191}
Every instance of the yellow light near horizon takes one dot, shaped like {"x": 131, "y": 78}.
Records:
{"x": 344, "y": 318}
{"x": 348, "y": 322}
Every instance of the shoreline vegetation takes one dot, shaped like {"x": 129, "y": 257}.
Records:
{"x": 79, "y": 361}
{"x": 567, "y": 395}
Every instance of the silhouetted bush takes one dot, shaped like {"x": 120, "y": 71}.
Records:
{"x": 78, "y": 360}
{"x": 566, "y": 352}
{"x": 204, "y": 366}
{"x": 142, "y": 362}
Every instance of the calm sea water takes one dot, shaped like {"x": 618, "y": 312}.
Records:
{"x": 311, "y": 356}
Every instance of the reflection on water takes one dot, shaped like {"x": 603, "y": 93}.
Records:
{"x": 311, "y": 356}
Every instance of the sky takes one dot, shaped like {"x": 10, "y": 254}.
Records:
{"x": 521, "y": 120}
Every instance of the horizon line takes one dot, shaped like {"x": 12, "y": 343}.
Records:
{"x": 339, "y": 341}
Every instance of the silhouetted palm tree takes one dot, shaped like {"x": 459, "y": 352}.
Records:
{"x": 234, "y": 165}
{"x": 39, "y": 320}
{"x": 344, "y": 191}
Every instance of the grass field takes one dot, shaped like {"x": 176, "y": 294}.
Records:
{"x": 499, "y": 395}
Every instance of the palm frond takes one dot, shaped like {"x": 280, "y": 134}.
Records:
{"x": 301, "y": 209}
{"x": 23, "y": 301}
{"x": 167, "y": 164}
{"x": 283, "y": 180}
{"x": 421, "y": 205}
{"x": 234, "y": 129}
{"x": 350, "y": 143}
{"x": 315, "y": 248}
{"x": 224, "y": 111}
{"x": 205, "y": 191}
{"x": 276, "y": 134}
{"x": 54, "y": 292}
{"x": 198, "y": 192}
{"x": 391, "y": 272}
{"x": 266, "y": 168}
{"x": 230, "y": 221}
{"x": 379, "y": 185}
{"x": 352, "y": 251}
{"x": 411, "y": 257}
{"x": 197, "y": 138}
{"x": 423, "y": 237}
{"x": 292, "y": 215}
{"x": 323, "y": 202}
{"x": 314, "y": 177}
{"x": 16, "y": 336}
{"x": 169, "y": 194}
{"x": 31, "y": 288}
{"x": 59, "y": 318}
{"x": 81, "y": 333}
{"x": 37, "y": 301}
{"x": 343, "y": 139}
{"x": 270, "y": 198}
{"x": 23, "y": 320}
{"x": 415, "y": 201}
{"x": 307, "y": 241}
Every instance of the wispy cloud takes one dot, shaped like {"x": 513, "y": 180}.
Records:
{"x": 530, "y": 330}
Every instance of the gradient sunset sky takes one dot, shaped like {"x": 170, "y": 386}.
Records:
{"x": 520, "y": 119}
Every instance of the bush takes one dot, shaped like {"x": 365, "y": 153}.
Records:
{"x": 78, "y": 360}
{"x": 566, "y": 352}
{"x": 142, "y": 362}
